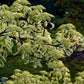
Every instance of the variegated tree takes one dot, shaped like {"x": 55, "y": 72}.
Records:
{"x": 23, "y": 33}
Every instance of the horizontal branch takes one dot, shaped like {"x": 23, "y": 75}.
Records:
{"x": 3, "y": 32}
{"x": 18, "y": 37}
{"x": 53, "y": 45}
{"x": 36, "y": 57}
{"x": 23, "y": 39}
{"x": 32, "y": 55}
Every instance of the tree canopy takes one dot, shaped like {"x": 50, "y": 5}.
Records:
{"x": 24, "y": 34}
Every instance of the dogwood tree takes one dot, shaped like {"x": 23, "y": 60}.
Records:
{"x": 23, "y": 33}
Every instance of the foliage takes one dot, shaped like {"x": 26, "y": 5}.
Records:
{"x": 80, "y": 78}
{"x": 68, "y": 39}
{"x": 25, "y": 77}
{"x": 70, "y": 11}
{"x": 23, "y": 32}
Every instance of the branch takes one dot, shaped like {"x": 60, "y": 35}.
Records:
{"x": 3, "y": 32}
{"x": 36, "y": 57}
{"x": 23, "y": 39}
{"x": 29, "y": 54}
{"x": 44, "y": 31}
{"x": 1, "y": 17}
{"x": 14, "y": 55}
{"x": 53, "y": 45}
{"x": 32, "y": 55}
{"x": 77, "y": 46}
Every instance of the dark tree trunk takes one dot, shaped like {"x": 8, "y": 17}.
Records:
{"x": 44, "y": 31}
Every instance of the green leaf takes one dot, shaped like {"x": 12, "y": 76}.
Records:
{"x": 80, "y": 49}
{"x": 1, "y": 63}
{"x": 66, "y": 52}
{"x": 39, "y": 64}
{"x": 3, "y": 58}
{"x": 73, "y": 48}
{"x": 22, "y": 56}
{"x": 9, "y": 49}
{"x": 5, "y": 54}
{"x": 35, "y": 65}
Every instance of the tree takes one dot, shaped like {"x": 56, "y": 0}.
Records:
{"x": 70, "y": 11}
{"x": 23, "y": 33}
